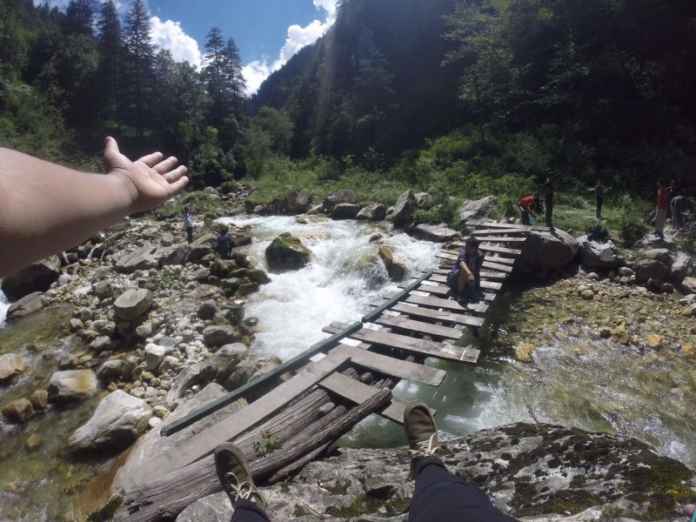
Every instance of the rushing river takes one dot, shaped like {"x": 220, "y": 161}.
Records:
{"x": 4, "y": 305}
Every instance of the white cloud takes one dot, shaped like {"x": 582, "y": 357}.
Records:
{"x": 256, "y": 72}
{"x": 170, "y": 36}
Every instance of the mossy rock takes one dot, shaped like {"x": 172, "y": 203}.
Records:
{"x": 287, "y": 252}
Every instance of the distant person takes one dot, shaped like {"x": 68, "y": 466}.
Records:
{"x": 528, "y": 206}
{"x": 661, "y": 211}
{"x": 465, "y": 277}
{"x": 68, "y": 206}
{"x": 224, "y": 242}
{"x": 548, "y": 202}
{"x": 599, "y": 191}
{"x": 188, "y": 224}
{"x": 439, "y": 496}
{"x": 678, "y": 207}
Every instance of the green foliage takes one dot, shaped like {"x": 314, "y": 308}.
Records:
{"x": 211, "y": 166}
{"x": 632, "y": 226}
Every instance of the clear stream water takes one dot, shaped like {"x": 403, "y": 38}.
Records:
{"x": 575, "y": 381}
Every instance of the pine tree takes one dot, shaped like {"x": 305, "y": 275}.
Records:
{"x": 79, "y": 16}
{"x": 140, "y": 64}
{"x": 110, "y": 50}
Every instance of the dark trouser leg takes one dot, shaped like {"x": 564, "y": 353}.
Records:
{"x": 439, "y": 497}
{"x": 600, "y": 204}
{"x": 189, "y": 235}
{"x": 249, "y": 512}
{"x": 549, "y": 215}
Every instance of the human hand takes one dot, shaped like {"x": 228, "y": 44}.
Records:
{"x": 149, "y": 181}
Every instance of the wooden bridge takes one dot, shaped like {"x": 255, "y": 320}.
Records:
{"x": 298, "y": 411}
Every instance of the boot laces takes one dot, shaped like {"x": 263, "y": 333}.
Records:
{"x": 430, "y": 446}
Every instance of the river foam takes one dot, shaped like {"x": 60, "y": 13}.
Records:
{"x": 4, "y": 305}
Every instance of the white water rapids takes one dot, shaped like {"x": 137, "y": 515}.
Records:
{"x": 338, "y": 285}
{"x": 4, "y": 305}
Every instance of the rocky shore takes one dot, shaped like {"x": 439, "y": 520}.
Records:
{"x": 136, "y": 322}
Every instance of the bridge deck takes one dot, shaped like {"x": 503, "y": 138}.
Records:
{"x": 324, "y": 398}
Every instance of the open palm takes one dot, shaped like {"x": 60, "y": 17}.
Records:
{"x": 152, "y": 180}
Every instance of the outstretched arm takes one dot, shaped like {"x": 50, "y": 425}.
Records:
{"x": 46, "y": 208}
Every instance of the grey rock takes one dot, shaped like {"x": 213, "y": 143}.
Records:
{"x": 372, "y": 212}
{"x": 341, "y": 196}
{"x": 404, "y": 210}
{"x": 649, "y": 269}
{"x": 689, "y": 283}
{"x": 171, "y": 255}
{"x": 345, "y": 211}
{"x": 477, "y": 209}
{"x": 27, "y": 305}
{"x": 207, "y": 310}
{"x": 141, "y": 259}
{"x": 226, "y": 360}
{"x": 117, "y": 422}
{"x": 102, "y": 343}
{"x": 424, "y": 200}
{"x": 133, "y": 304}
{"x": 395, "y": 267}
{"x": 547, "y": 252}
{"x": 37, "y": 277}
{"x": 202, "y": 247}
{"x": 115, "y": 370}
{"x": 297, "y": 202}
{"x": 682, "y": 266}
{"x": 625, "y": 271}
{"x": 72, "y": 385}
{"x": 595, "y": 255}
{"x": 155, "y": 354}
{"x": 436, "y": 233}
{"x": 216, "y": 336}
{"x": 11, "y": 365}
{"x": 103, "y": 289}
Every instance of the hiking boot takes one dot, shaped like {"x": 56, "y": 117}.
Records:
{"x": 235, "y": 478}
{"x": 421, "y": 430}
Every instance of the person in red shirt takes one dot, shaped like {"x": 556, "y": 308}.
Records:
{"x": 527, "y": 205}
{"x": 662, "y": 206}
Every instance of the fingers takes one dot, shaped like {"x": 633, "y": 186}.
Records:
{"x": 165, "y": 166}
{"x": 176, "y": 174}
{"x": 178, "y": 185}
{"x": 152, "y": 159}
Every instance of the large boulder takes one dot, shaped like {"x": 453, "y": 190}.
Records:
{"x": 395, "y": 267}
{"x": 202, "y": 247}
{"x": 216, "y": 336}
{"x": 72, "y": 385}
{"x": 424, "y": 200}
{"x": 474, "y": 210}
{"x": 27, "y": 305}
{"x": 171, "y": 255}
{"x": 298, "y": 202}
{"x": 11, "y": 365}
{"x": 143, "y": 258}
{"x": 404, "y": 210}
{"x": 373, "y": 212}
{"x": 689, "y": 284}
{"x": 133, "y": 304}
{"x": 287, "y": 252}
{"x": 546, "y": 252}
{"x": 345, "y": 211}
{"x": 682, "y": 266}
{"x": 37, "y": 277}
{"x": 117, "y": 422}
{"x": 437, "y": 233}
{"x": 337, "y": 198}
{"x": 654, "y": 270}
{"x": 534, "y": 473}
{"x": 596, "y": 255}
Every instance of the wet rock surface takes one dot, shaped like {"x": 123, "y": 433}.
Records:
{"x": 287, "y": 252}
{"x": 37, "y": 277}
{"x": 529, "y": 471}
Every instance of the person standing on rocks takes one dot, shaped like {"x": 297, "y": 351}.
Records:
{"x": 661, "y": 212}
{"x": 46, "y": 208}
{"x": 439, "y": 497}
{"x": 224, "y": 242}
{"x": 548, "y": 202}
{"x": 678, "y": 207}
{"x": 527, "y": 205}
{"x": 599, "y": 191}
{"x": 188, "y": 224}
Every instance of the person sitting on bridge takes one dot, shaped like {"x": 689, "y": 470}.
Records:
{"x": 465, "y": 277}
{"x": 224, "y": 242}
{"x": 438, "y": 497}
{"x": 46, "y": 209}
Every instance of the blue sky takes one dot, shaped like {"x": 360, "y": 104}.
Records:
{"x": 268, "y": 32}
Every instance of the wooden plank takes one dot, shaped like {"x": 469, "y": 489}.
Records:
{"x": 498, "y": 231}
{"x": 493, "y": 224}
{"x": 452, "y": 254}
{"x": 501, "y": 239}
{"x": 491, "y": 265}
{"x": 241, "y": 421}
{"x": 409, "y": 344}
{"x": 403, "y": 323}
{"x": 357, "y": 392}
{"x": 438, "y": 315}
{"x": 447, "y": 304}
{"x": 496, "y": 258}
{"x": 360, "y": 356}
{"x": 444, "y": 290}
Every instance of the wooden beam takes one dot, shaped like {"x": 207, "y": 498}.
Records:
{"x": 447, "y": 254}
{"x": 357, "y": 392}
{"x": 412, "y": 372}
{"x": 491, "y": 265}
{"x": 436, "y": 289}
{"x": 409, "y": 344}
{"x": 205, "y": 442}
{"x": 498, "y": 231}
{"x": 403, "y": 323}
{"x": 438, "y": 315}
{"x": 501, "y": 239}
{"x": 447, "y": 304}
